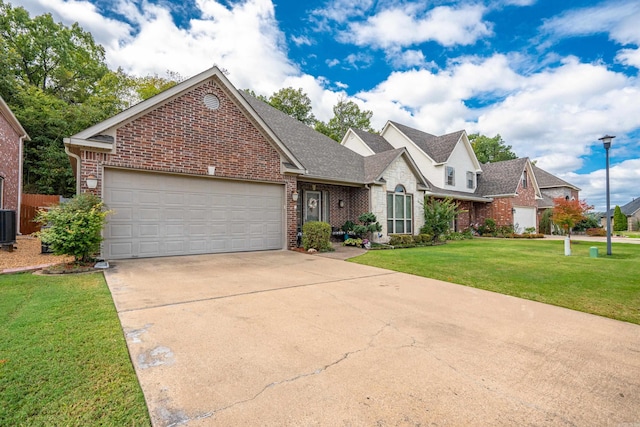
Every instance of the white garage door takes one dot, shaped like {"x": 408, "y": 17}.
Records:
{"x": 163, "y": 215}
{"x": 524, "y": 218}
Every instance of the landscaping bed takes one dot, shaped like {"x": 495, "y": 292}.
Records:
{"x": 27, "y": 253}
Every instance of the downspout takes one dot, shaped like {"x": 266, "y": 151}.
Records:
{"x": 20, "y": 171}
{"x": 78, "y": 164}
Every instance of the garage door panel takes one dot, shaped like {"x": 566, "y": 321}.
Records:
{"x": 523, "y": 217}
{"x": 205, "y": 215}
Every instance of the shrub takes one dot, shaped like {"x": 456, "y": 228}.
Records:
{"x": 599, "y": 232}
{"x": 316, "y": 235}
{"x": 504, "y": 230}
{"x": 402, "y": 240}
{"x": 74, "y": 227}
{"x": 545, "y": 221}
{"x": 369, "y": 225}
{"x": 488, "y": 228}
{"x": 438, "y": 215}
{"x": 347, "y": 227}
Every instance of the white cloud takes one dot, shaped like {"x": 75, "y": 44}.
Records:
{"x": 621, "y": 177}
{"x": 301, "y": 40}
{"x": 409, "y": 24}
{"x": 407, "y": 59}
{"x": 332, "y": 62}
{"x": 339, "y": 11}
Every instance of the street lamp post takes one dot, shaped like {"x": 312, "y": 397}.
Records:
{"x": 606, "y": 141}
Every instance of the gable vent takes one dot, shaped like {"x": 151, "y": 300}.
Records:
{"x": 211, "y": 101}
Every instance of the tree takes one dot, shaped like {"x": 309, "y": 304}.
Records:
{"x": 438, "y": 216}
{"x": 490, "y": 150}
{"x": 619, "y": 220}
{"x": 151, "y": 85}
{"x": 567, "y": 213}
{"x": 346, "y": 114}
{"x": 294, "y": 103}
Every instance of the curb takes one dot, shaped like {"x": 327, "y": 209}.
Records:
{"x": 25, "y": 269}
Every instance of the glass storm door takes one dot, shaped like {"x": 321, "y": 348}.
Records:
{"x": 312, "y": 206}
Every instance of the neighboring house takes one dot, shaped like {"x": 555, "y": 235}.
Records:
{"x": 504, "y": 191}
{"x": 204, "y": 168}
{"x": 12, "y": 135}
{"x": 631, "y": 210}
{"x": 551, "y": 188}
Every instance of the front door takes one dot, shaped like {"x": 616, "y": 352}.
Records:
{"x": 312, "y": 206}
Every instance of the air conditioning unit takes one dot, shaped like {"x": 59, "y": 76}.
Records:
{"x": 8, "y": 228}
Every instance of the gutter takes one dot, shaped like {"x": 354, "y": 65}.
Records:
{"x": 78, "y": 167}
{"x": 20, "y": 171}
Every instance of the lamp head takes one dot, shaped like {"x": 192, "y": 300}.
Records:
{"x": 606, "y": 141}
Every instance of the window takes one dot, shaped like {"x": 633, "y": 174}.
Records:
{"x": 399, "y": 212}
{"x": 524, "y": 179}
{"x": 451, "y": 176}
{"x": 470, "y": 180}
{"x": 1, "y": 192}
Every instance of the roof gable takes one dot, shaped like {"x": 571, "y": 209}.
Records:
{"x": 97, "y": 136}
{"x": 438, "y": 148}
{"x": 376, "y": 165}
{"x": 375, "y": 142}
{"x": 503, "y": 178}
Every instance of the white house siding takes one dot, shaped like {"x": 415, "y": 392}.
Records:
{"x": 354, "y": 143}
{"x": 460, "y": 160}
{"x": 425, "y": 164}
{"x": 398, "y": 172}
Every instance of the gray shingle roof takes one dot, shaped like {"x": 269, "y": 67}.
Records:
{"x": 548, "y": 180}
{"x": 628, "y": 209}
{"x": 321, "y": 156}
{"x": 439, "y": 148}
{"x": 500, "y": 178}
{"x": 376, "y": 164}
{"x": 377, "y": 143}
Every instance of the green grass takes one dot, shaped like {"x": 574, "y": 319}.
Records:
{"x": 63, "y": 357}
{"x": 631, "y": 234}
{"x": 531, "y": 269}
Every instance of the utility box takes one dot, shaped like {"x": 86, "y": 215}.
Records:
{"x": 8, "y": 228}
{"x": 593, "y": 252}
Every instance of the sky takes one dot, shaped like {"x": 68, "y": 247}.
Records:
{"x": 549, "y": 76}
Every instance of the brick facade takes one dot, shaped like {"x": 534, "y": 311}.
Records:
{"x": 184, "y": 136}
{"x": 9, "y": 165}
{"x": 356, "y": 202}
{"x": 501, "y": 209}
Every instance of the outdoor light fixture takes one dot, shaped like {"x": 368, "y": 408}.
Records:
{"x": 294, "y": 195}
{"x": 341, "y": 203}
{"x": 92, "y": 181}
{"x": 606, "y": 141}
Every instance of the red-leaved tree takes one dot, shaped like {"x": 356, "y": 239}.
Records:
{"x": 567, "y": 213}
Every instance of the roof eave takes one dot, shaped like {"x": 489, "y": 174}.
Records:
{"x": 459, "y": 197}
{"x": 80, "y": 142}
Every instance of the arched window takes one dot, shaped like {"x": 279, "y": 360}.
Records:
{"x": 399, "y": 211}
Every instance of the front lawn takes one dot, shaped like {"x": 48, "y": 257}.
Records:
{"x": 531, "y": 269}
{"x": 63, "y": 357}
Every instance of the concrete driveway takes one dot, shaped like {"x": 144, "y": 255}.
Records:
{"x": 282, "y": 338}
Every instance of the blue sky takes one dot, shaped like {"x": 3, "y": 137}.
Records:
{"x": 550, "y": 76}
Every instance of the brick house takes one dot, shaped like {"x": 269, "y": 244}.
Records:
{"x": 12, "y": 135}
{"x": 205, "y": 168}
{"x": 631, "y": 210}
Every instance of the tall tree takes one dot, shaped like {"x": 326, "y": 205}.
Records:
{"x": 50, "y": 76}
{"x": 490, "y": 150}
{"x": 346, "y": 114}
{"x": 295, "y": 103}
{"x": 567, "y": 213}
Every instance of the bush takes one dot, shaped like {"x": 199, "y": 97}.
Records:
{"x": 369, "y": 225}
{"x": 488, "y": 228}
{"x": 402, "y": 241}
{"x": 545, "y": 222}
{"x": 316, "y": 235}
{"x": 353, "y": 242}
{"x": 599, "y": 232}
{"x": 438, "y": 215}
{"x": 74, "y": 227}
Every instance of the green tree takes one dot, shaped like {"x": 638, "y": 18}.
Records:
{"x": 294, "y": 103}
{"x": 74, "y": 227}
{"x": 346, "y": 114}
{"x": 438, "y": 216}
{"x": 619, "y": 220}
{"x": 490, "y": 150}
{"x": 146, "y": 87}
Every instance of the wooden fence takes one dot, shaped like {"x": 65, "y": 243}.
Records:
{"x": 29, "y": 209}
